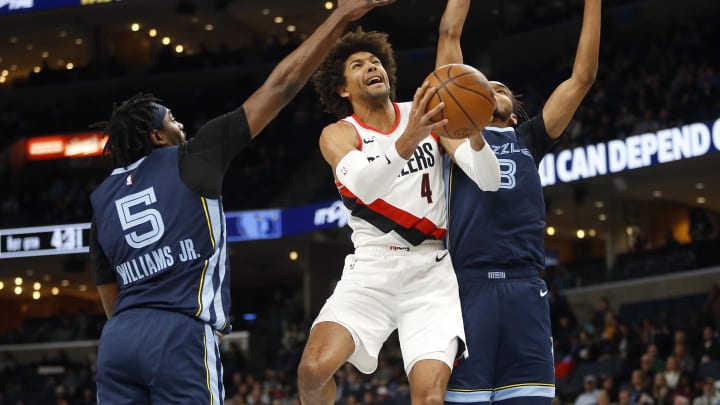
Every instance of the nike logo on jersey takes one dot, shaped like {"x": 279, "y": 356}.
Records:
{"x": 543, "y": 293}
{"x": 439, "y": 258}
{"x": 371, "y": 140}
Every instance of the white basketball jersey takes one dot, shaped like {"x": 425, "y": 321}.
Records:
{"x": 414, "y": 209}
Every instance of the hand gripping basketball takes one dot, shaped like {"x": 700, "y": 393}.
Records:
{"x": 468, "y": 97}
{"x": 421, "y": 123}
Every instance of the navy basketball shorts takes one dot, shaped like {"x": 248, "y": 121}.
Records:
{"x": 149, "y": 356}
{"x": 509, "y": 337}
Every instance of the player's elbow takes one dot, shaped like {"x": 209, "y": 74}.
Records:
{"x": 585, "y": 78}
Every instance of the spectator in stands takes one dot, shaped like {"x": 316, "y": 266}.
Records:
{"x": 624, "y": 397}
{"x": 590, "y": 394}
{"x": 685, "y": 361}
{"x": 646, "y": 365}
{"x": 658, "y": 363}
{"x": 638, "y": 387}
{"x": 661, "y": 393}
{"x": 712, "y": 306}
{"x": 672, "y": 372}
{"x": 709, "y": 395}
{"x": 709, "y": 348}
{"x": 584, "y": 349}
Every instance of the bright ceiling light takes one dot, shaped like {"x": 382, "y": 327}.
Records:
{"x": 700, "y": 200}
{"x": 135, "y": 27}
{"x": 18, "y": 280}
{"x": 278, "y": 20}
{"x": 55, "y": 291}
{"x": 69, "y": 66}
{"x": 152, "y": 32}
{"x": 602, "y": 217}
{"x": 78, "y": 41}
{"x": 291, "y": 28}
{"x": 179, "y": 49}
{"x": 166, "y": 41}
{"x": 329, "y": 5}
{"x": 580, "y": 234}
{"x": 209, "y": 27}
{"x": 293, "y": 255}
{"x": 550, "y": 230}
{"x": 36, "y": 295}
{"x": 18, "y": 290}
{"x": 36, "y": 286}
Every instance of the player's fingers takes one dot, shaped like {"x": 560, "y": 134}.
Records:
{"x": 433, "y": 111}
{"x": 428, "y": 93}
{"x": 417, "y": 99}
{"x": 438, "y": 124}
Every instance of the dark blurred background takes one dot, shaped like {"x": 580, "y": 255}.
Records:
{"x": 632, "y": 254}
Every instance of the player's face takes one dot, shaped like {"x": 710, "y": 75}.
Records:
{"x": 172, "y": 132}
{"x": 503, "y": 104}
{"x": 364, "y": 76}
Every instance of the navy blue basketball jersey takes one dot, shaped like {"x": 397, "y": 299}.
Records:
{"x": 502, "y": 229}
{"x": 165, "y": 243}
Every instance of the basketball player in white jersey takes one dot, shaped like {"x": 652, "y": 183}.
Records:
{"x": 388, "y": 169}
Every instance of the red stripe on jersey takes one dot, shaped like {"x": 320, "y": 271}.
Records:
{"x": 403, "y": 218}
{"x": 394, "y": 127}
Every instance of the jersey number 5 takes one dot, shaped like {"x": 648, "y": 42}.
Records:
{"x": 130, "y": 219}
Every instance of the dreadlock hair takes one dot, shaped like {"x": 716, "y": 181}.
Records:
{"x": 330, "y": 75}
{"x": 128, "y": 129}
{"x": 518, "y": 109}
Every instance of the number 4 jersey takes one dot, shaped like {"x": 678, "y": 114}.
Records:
{"x": 165, "y": 243}
{"x": 414, "y": 209}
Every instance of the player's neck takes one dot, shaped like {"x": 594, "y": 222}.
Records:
{"x": 499, "y": 123}
{"x": 378, "y": 115}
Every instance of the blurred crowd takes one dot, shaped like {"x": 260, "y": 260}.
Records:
{"x": 604, "y": 357}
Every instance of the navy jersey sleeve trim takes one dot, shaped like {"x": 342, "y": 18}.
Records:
{"x": 104, "y": 274}
{"x": 204, "y": 159}
{"x": 536, "y": 138}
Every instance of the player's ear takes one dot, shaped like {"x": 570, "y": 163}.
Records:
{"x": 157, "y": 138}
{"x": 513, "y": 119}
{"x": 343, "y": 92}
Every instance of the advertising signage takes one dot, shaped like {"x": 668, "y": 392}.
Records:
{"x": 13, "y": 6}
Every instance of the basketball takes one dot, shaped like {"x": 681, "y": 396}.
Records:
{"x": 468, "y": 97}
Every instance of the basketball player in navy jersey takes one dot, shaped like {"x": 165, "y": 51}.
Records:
{"x": 388, "y": 169}
{"x": 496, "y": 240}
{"x": 158, "y": 236}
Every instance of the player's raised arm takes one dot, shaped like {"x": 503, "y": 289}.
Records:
{"x": 451, "y": 26}
{"x": 566, "y": 98}
{"x": 291, "y": 74}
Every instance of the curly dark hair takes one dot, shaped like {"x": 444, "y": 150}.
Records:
{"x": 330, "y": 75}
{"x": 128, "y": 129}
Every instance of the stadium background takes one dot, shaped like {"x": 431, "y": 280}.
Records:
{"x": 632, "y": 252}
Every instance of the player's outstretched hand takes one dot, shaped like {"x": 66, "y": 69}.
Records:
{"x": 420, "y": 124}
{"x": 355, "y": 9}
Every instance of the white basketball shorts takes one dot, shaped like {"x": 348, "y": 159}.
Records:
{"x": 413, "y": 290}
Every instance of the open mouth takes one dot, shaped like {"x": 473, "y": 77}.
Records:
{"x": 374, "y": 80}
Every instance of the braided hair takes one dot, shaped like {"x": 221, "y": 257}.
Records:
{"x": 129, "y": 128}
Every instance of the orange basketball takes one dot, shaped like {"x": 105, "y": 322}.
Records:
{"x": 468, "y": 97}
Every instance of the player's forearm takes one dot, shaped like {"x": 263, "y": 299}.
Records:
{"x": 587, "y": 56}
{"x": 450, "y": 31}
{"x": 369, "y": 181}
{"x": 480, "y": 165}
{"x": 291, "y": 74}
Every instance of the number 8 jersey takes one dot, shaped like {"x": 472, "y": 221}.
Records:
{"x": 165, "y": 242}
{"x": 414, "y": 210}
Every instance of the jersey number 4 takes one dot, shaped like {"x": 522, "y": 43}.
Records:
{"x": 131, "y": 218}
{"x": 425, "y": 189}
